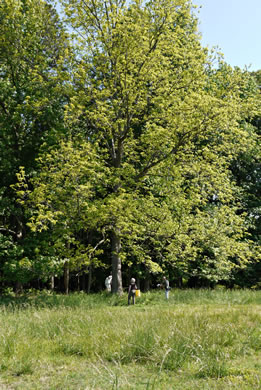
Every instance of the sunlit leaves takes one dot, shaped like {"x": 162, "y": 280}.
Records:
{"x": 158, "y": 129}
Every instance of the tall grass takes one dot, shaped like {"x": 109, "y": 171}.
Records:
{"x": 197, "y": 338}
{"x": 103, "y": 299}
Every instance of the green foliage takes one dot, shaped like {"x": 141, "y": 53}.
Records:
{"x": 27, "y": 261}
{"x": 166, "y": 123}
{"x": 153, "y": 132}
{"x": 65, "y": 200}
{"x": 246, "y": 172}
{"x": 32, "y": 96}
{"x": 16, "y": 268}
{"x": 32, "y": 47}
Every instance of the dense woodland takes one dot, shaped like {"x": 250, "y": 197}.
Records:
{"x": 125, "y": 147}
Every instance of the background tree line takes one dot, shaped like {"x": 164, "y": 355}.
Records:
{"x": 125, "y": 146}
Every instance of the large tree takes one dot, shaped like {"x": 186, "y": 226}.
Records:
{"x": 32, "y": 52}
{"x": 160, "y": 124}
{"x": 143, "y": 92}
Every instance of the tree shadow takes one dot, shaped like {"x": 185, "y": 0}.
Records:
{"x": 47, "y": 299}
{"x": 24, "y": 301}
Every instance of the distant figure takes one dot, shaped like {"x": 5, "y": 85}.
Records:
{"x": 165, "y": 285}
{"x": 108, "y": 281}
{"x": 132, "y": 291}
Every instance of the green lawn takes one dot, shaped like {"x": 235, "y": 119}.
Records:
{"x": 200, "y": 339}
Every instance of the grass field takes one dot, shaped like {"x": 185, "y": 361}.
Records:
{"x": 199, "y": 339}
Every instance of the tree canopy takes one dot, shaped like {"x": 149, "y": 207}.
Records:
{"x": 148, "y": 136}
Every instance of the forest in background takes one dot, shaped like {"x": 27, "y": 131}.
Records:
{"x": 125, "y": 147}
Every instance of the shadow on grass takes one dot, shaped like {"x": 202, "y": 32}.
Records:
{"x": 23, "y": 301}
{"x": 47, "y": 299}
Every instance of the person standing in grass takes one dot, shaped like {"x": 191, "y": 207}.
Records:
{"x": 165, "y": 285}
{"x": 132, "y": 291}
{"x": 108, "y": 281}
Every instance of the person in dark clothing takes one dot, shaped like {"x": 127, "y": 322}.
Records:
{"x": 132, "y": 291}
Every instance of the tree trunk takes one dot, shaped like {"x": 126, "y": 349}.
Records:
{"x": 147, "y": 284}
{"x": 83, "y": 281}
{"x": 116, "y": 262}
{"x": 66, "y": 278}
{"x": 78, "y": 282}
{"x": 147, "y": 281}
{"x": 18, "y": 288}
{"x": 89, "y": 279}
{"x": 19, "y": 236}
{"x": 52, "y": 283}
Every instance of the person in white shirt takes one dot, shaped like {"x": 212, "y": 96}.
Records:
{"x": 108, "y": 281}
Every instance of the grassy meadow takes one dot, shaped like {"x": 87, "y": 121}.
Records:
{"x": 199, "y": 339}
